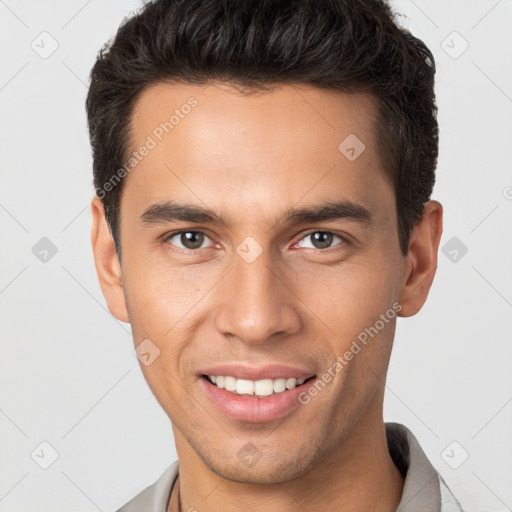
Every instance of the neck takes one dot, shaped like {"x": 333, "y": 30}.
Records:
{"x": 359, "y": 475}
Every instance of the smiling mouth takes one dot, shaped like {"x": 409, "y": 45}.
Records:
{"x": 259, "y": 388}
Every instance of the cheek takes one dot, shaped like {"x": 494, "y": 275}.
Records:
{"x": 351, "y": 296}
{"x": 159, "y": 295}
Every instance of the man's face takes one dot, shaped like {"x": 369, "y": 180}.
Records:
{"x": 262, "y": 287}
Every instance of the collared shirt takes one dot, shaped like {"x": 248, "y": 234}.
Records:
{"x": 424, "y": 488}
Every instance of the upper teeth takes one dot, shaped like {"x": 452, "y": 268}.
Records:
{"x": 265, "y": 387}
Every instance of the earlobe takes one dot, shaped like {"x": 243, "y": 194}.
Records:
{"x": 420, "y": 263}
{"x": 107, "y": 263}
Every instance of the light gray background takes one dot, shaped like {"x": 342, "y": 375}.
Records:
{"x": 67, "y": 371}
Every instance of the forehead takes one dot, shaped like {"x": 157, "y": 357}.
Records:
{"x": 287, "y": 112}
{"x": 213, "y": 143}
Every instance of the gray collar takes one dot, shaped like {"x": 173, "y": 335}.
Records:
{"x": 421, "y": 488}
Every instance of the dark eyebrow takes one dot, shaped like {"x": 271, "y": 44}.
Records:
{"x": 171, "y": 211}
{"x": 333, "y": 210}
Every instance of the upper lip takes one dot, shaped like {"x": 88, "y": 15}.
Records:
{"x": 268, "y": 371}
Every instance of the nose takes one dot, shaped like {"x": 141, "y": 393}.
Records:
{"x": 257, "y": 302}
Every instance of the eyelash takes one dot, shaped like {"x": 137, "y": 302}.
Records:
{"x": 343, "y": 241}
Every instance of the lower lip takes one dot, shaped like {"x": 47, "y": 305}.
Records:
{"x": 253, "y": 409}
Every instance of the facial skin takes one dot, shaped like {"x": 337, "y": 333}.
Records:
{"x": 249, "y": 159}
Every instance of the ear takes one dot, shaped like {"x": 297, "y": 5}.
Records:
{"x": 420, "y": 263}
{"x": 107, "y": 263}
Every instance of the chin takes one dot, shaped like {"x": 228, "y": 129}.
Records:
{"x": 275, "y": 471}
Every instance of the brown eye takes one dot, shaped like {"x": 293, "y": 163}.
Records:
{"x": 188, "y": 239}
